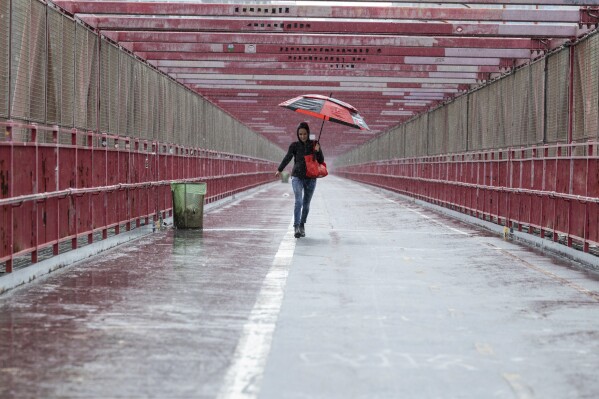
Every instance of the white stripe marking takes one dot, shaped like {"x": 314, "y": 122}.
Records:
{"x": 429, "y": 218}
{"x": 244, "y": 376}
{"x": 521, "y": 390}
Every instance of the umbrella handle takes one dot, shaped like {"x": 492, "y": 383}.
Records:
{"x": 318, "y": 141}
{"x": 321, "y": 126}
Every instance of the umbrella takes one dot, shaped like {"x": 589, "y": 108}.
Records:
{"x": 327, "y": 109}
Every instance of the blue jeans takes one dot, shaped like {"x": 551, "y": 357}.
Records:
{"x": 303, "y": 189}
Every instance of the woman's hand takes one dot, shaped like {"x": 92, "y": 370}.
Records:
{"x": 277, "y": 173}
{"x": 317, "y": 147}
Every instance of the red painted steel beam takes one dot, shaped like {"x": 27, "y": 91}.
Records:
{"x": 409, "y": 89}
{"x": 283, "y": 75}
{"x": 278, "y": 58}
{"x": 208, "y": 24}
{"x": 204, "y": 48}
{"x": 304, "y": 87}
{"x": 299, "y": 86}
{"x": 302, "y": 68}
{"x": 399, "y": 84}
{"x": 364, "y": 100}
{"x": 320, "y": 11}
{"x": 589, "y": 16}
{"x": 306, "y": 40}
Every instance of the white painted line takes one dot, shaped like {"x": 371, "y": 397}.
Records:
{"x": 484, "y": 349}
{"x": 521, "y": 390}
{"x": 234, "y": 229}
{"x": 244, "y": 376}
{"x": 429, "y": 218}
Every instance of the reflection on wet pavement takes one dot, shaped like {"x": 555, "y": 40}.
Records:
{"x": 157, "y": 318}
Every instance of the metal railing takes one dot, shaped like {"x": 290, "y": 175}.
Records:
{"x": 52, "y": 192}
{"x": 551, "y": 190}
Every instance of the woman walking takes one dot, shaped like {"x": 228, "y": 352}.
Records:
{"x": 303, "y": 187}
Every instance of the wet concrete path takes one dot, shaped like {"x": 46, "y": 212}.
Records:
{"x": 382, "y": 299}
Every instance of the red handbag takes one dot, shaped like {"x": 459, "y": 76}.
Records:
{"x": 313, "y": 168}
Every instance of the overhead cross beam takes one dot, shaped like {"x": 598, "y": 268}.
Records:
{"x": 118, "y": 8}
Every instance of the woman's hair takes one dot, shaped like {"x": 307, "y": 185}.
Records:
{"x": 303, "y": 125}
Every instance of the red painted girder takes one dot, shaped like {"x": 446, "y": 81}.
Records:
{"x": 302, "y": 88}
{"x": 301, "y": 68}
{"x": 239, "y": 57}
{"x": 281, "y": 94}
{"x": 320, "y": 11}
{"x": 289, "y": 84}
{"x": 284, "y": 79}
{"x": 330, "y": 27}
{"x": 364, "y": 101}
{"x": 250, "y": 112}
{"x": 285, "y": 75}
{"x": 293, "y": 39}
{"x": 425, "y": 84}
{"x": 393, "y": 70}
{"x": 327, "y": 51}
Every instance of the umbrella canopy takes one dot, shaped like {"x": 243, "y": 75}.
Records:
{"x": 327, "y": 109}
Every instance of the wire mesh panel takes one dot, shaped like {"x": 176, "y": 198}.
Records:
{"x": 131, "y": 98}
{"x": 169, "y": 112}
{"x": 496, "y": 119}
{"x": 410, "y": 140}
{"x": 196, "y": 127}
{"x": 153, "y": 86}
{"x": 536, "y": 104}
{"x": 523, "y": 114}
{"x": 145, "y": 122}
{"x": 187, "y": 118}
{"x": 380, "y": 151}
{"x": 476, "y": 122}
{"x": 521, "y": 92}
{"x": 86, "y": 84}
{"x": 228, "y": 136}
{"x": 178, "y": 98}
{"x": 28, "y": 69}
{"x": 54, "y": 78}
{"x": 209, "y": 126}
{"x": 457, "y": 125}
{"x": 4, "y": 57}
{"x": 137, "y": 100}
{"x": 109, "y": 87}
{"x": 160, "y": 107}
{"x": 586, "y": 90}
{"x": 398, "y": 142}
{"x": 401, "y": 132}
{"x": 37, "y": 83}
{"x": 437, "y": 131}
{"x": 20, "y": 43}
{"x": 193, "y": 121}
{"x": 393, "y": 143}
{"x": 557, "y": 98}
{"x": 124, "y": 94}
{"x": 67, "y": 86}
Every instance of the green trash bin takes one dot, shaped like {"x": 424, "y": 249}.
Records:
{"x": 188, "y": 205}
{"x": 284, "y": 177}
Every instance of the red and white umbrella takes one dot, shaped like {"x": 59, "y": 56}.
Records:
{"x": 327, "y": 109}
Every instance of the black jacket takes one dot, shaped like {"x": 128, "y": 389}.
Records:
{"x": 297, "y": 151}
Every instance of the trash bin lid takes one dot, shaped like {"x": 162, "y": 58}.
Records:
{"x": 190, "y": 188}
